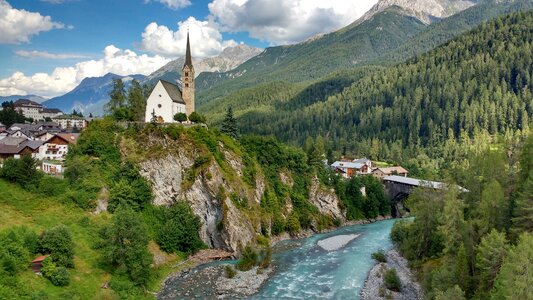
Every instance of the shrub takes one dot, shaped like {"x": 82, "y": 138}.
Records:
{"x": 178, "y": 229}
{"x": 230, "y": 271}
{"x": 197, "y": 118}
{"x": 293, "y": 223}
{"x": 380, "y": 256}
{"x": 392, "y": 281}
{"x": 180, "y": 117}
{"x": 21, "y": 171}
{"x": 58, "y": 243}
{"x": 248, "y": 260}
{"x": 60, "y": 277}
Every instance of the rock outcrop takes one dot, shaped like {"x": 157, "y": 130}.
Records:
{"x": 326, "y": 201}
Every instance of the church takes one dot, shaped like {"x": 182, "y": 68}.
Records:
{"x": 167, "y": 99}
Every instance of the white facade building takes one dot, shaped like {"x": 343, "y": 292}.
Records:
{"x": 164, "y": 102}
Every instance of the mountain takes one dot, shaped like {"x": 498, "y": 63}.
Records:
{"x": 14, "y": 98}
{"x": 317, "y": 57}
{"x": 90, "y": 95}
{"x": 428, "y": 11}
{"x": 392, "y": 32}
{"x": 479, "y": 83}
{"x": 229, "y": 59}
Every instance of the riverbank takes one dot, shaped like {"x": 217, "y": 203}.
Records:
{"x": 205, "y": 278}
{"x": 374, "y": 287}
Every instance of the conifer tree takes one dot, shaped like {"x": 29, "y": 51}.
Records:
{"x": 229, "y": 125}
{"x": 490, "y": 255}
{"x": 136, "y": 101}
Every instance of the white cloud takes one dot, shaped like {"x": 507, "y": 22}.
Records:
{"x": 174, "y": 4}
{"x": 286, "y": 21}
{"x": 44, "y": 54}
{"x": 205, "y": 38}
{"x": 18, "y": 25}
{"x": 62, "y": 80}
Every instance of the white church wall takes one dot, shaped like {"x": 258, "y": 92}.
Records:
{"x": 163, "y": 106}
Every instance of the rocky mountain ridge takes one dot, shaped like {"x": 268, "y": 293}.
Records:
{"x": 229, "y": 59}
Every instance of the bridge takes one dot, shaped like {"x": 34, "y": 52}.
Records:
{"x": 398, "y": 188}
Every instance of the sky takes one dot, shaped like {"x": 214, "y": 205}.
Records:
{"x": 47, "y": 47}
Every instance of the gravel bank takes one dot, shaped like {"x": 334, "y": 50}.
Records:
{"x": 374, "y": 287}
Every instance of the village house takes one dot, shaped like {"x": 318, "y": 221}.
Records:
{"x": 56, "y": 148}
{"x": 16, "y": 147}
{"x": 70, "y": 122}
{"x": 388, "y": 171}
{"x": 167, "y": 99}
{"x": 35, "y": 111}
{"x": 347, "y": 168}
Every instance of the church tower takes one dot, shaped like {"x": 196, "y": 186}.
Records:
{"x": 187, "y": 80}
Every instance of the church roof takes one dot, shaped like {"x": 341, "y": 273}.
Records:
{"x": 188, "y": 56}
{"x": 173, "y": 91}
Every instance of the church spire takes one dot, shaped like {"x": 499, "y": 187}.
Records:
{"x": 188, "y": 57}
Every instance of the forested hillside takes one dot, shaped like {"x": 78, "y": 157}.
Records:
{"x": 479, "y": 82}
{"x": 316, "y": 57}
{"x": 478, "y": 244}
{"x": 389, "y": 37}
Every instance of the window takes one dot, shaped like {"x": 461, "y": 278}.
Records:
{"x": 186, "y": 85}
{"x": 159, "y": 105}
{"x": 186, "y": 73}
{"x": 160, "y": 95}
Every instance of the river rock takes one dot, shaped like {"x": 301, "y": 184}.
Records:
{"x": 375, "y": 288}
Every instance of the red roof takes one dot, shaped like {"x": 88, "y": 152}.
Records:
{"x": 39, "y": 259}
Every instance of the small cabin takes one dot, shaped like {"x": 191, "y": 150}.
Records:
{"x": 37, "y": 263}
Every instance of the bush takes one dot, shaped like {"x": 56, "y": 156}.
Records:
{"x": 180, "y": 117}
{"x": 248, "y": 260}
{"x": 230, "y": 271}
{"x": 197, "y": 118}
{"x": 60, "y": 277}
{"x": 178, "y": 229}
{"x": 58, "y": 243}
{"x": 380, "y": 256}
{"x": 392, "y": 281}
{"x": 21, "y": 171}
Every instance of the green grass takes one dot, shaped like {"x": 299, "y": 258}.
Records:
{"x": 19, "y": 207}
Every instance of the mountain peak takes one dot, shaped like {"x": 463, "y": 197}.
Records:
{"x": 425, "y": 10}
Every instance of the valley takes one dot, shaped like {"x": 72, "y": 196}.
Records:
{"x": 391, "y": 158}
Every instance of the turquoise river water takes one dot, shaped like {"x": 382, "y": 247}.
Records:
{"x": 305, "y": 270}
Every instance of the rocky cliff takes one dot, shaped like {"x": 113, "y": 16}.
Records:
{"x": 184, "y": 170}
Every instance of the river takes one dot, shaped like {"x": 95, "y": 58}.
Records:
{"x": 304, "y": 269}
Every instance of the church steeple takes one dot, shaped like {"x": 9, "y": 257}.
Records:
{"x": 188, "y": 56}
{"x": 187, "y": 80}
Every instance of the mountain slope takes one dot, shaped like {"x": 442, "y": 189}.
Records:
{"x": 229, "y": 59}
{"x": 318, "y": 57}
{"x": 90, "y": 95}
{"x": 478, "y": 82}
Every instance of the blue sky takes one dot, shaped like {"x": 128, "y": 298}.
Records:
{"x": 48, "y": 46}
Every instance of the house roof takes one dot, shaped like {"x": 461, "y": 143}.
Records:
{"x": 173, "y": 91}
{"x": 8, "y": 149}
{"x": 33, "y": 144}
{"x": 39, "y": 258}
{"x": 390, "y": 170}
{"x": 349, "y": 165}
{"x": 26, "y": 102}
{"x": 70, "y": 138}
{"x": 12, "y": 141}
{"x": 19, "y": 125}
{"x": 419, "y": 182}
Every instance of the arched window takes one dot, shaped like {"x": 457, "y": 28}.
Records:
{"x": 186, "y": 85}
{"x": 186, "y": 73}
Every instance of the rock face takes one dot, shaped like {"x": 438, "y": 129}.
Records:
{"x": 326, "y": 201}
{"x": 223, "y": 225}
{"x": 217, "y": 194}
{"x": 426, "y": 10}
